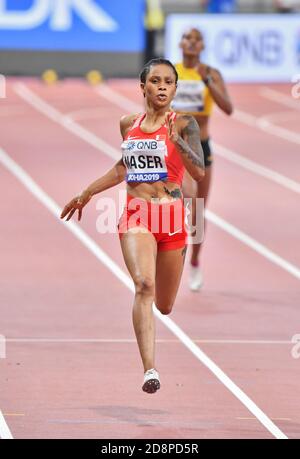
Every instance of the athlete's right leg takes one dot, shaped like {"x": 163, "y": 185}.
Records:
{"x": 139, "y": 251}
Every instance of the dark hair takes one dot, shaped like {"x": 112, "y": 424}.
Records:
{"x": 157, "y": 61}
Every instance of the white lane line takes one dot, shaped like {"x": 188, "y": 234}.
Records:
{"x": 282, "y": 116}
{"x": 67, "y": 122}
{"x": 133, "y": 340}
{"x": 273, "y": 419}
{"x": 5, "y": 433}
{"x": 87, "y": 114}
{"x": 88, "y": 242}
{"x": 256, "y": 168}
{"x": 253, "y": 244}
{"x": 31, "y": 98}
{"x": 126, "y": 104}
{"x": 280, "y": 98}
{"x": 265, "y": 125}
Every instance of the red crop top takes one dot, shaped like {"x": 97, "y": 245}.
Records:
{"x": 151, "y": 157}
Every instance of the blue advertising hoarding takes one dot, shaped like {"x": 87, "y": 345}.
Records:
{"x": 72, "y": 25}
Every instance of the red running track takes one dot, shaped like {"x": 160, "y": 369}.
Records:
{"x": 72, "y": 368}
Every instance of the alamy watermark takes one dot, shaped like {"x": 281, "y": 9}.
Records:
{"x": 295, "y": 91}
{"x": 296, "y": 348}
{"x": 2, "y": 347}
{"x": 156, "y": 216}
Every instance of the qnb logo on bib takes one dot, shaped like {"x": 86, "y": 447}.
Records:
{"x": 145, "y": 160}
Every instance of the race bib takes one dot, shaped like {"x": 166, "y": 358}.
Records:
{"x": 145, "y": 160}
{"x": 189, "y": 96}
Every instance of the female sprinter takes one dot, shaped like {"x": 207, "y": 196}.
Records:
{"x": 199, "y": 86}
{"x": 157, "y": 147}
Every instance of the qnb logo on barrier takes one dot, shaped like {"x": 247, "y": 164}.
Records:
{"x": 2, "y": 347}
{"x": 233, "y": 48}
{"x": 60, "y": 13}
{"x": 2, "y": 87}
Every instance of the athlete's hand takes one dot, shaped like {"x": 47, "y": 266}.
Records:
{"x": 76, "y": 203}
{"x": 203, "y": 70}
{"x": 172, "y": 129}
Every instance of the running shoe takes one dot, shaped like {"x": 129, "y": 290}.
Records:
{"x": 151, "y": 381}
{"x": 195, "y": 278}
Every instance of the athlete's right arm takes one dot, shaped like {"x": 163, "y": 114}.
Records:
{"x": 112, "y": 178}
{"x": 117, "y": 174}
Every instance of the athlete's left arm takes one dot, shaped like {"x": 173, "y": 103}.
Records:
{"x": 218, "y": 90}
{"x": 185, "y": 134}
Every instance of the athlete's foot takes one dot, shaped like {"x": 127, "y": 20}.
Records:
{"x": 151, "y": 381}
{"x": 195, "y": 278}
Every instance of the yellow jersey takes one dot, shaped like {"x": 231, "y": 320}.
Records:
{"x": 192, "y": 95}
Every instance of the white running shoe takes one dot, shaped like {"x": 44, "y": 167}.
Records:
{"x": 151, "y": 381}
{"x": 195, "y": 278}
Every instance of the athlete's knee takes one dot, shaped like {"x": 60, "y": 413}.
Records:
{"x": 164, "y": 308}
{"x": 144, "y": 285}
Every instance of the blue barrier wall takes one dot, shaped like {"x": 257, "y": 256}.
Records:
{"x": 72, "y": 25}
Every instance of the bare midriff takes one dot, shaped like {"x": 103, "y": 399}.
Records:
{"x": 162, "y": 191}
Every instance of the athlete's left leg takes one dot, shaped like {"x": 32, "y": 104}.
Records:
{"x": 169, "y": 267}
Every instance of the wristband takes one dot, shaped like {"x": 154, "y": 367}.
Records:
{"x": 207, "y": 80}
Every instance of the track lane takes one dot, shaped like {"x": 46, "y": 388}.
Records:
{"x": 48, "y": 375}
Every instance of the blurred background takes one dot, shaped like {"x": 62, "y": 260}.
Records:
{"x": 248, "y": 40}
